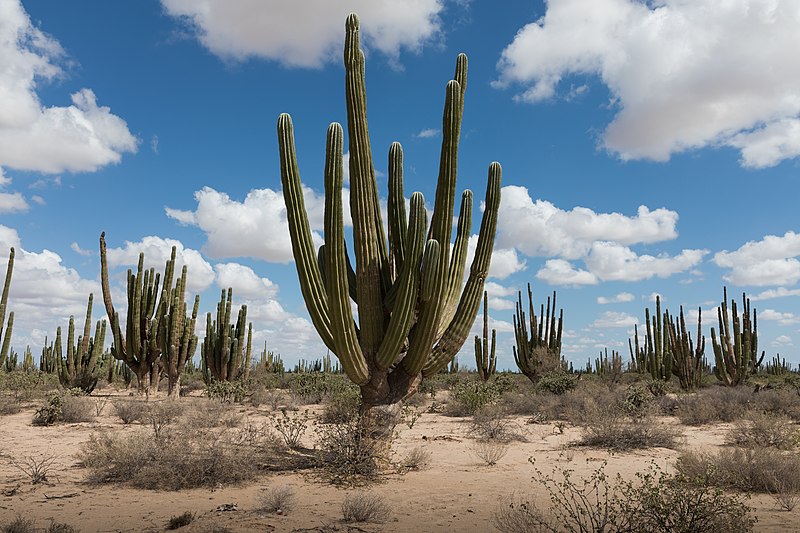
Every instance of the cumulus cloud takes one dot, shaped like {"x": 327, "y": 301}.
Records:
{"x": 244, "y": 281}
{"x": 621, "y": 297}
{"x": 614, "y": 262}
{"x": 561, "y": 272}
{"x": 782, "y": 341}
{"x": 780, "y": 292}
{"x": 683, "y": 74}
{"x": 75, "y": 247}
{"x": 427, "y": 133}
{"x": 540, "y": 228}
{"x": 783, "y": 319}
{"x": 49, "y": 139}
{"x": 308, "y": 37}
{"x": 770, "y": 261}
{"x": 614, "y": 319}
{"x": 12, "y": 202}
{"x": 200, "y": 274}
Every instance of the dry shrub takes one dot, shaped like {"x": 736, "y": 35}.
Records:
{"x": 182, "y": 520}
{"x": 350, "y": 454}
{"x": 35, "y": 468}
{"x": 160, "y": 415}
{"x": 491, "y": 423}
{"x": 205, "y": 413}
{"x": 61, "y": 527}
{"x": 19, "y": 525}
{"x": 781, "y": 401}
{"x": 763, "y": 430}
{"x": 613, "y": 430}
{"x": 341, "y": 406}
{"x": 715, "y": 404}
{"x": 365, "y": 507}
{"x": 277, "y": 499}
{"x": 129, "y": 411}
{"x": 490, "y": 451}
{"x": 417, "y": 459}
{"x": 76, "y": 409}
{"x": 9, "y": 406}
{"x": 747, "y": 469}
{"x": 182, "y": 458}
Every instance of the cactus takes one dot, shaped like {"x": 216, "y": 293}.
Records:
{"x": 541, "y": 351}
{"x": 653, "y": 356}
{"x": 687, "y": 361}
{"x": 27, "y": 360}
{"x": 609, "y": 368}
{"x": 11, "y": 361}
{"x": 485, "y": 358}
{"x": 270, "y": 361}
{"x": 224, "y": 356}
{"x": 79, "y": 368}
{"x": 778, "y": 366}
{"x": 5, "y": 338}
{"x": 148, "y": 313}
{"x": 412, "y": 320}
{"x": 176, "y": 336}
{"x": 47, "y": 361}
{"x": 454, "y": 367}
{"x": 735, "y": 352}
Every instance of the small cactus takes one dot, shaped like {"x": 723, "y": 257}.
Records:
{"x": 5, "y": 337}
{"x": 485, "y": 357}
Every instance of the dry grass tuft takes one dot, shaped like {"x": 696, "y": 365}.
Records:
{"x": 279, "y": 499}
{"x": 365, "y": 507}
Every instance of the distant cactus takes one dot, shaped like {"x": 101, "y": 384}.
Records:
{"x": 485, "y": 357}
{"x": 687, "y": 361}
{"x": 225, "y": 353}
{"x": 539, "y": 351}
{"x": 80, "y": 367}
{"x": 413, "y": 316}
{"x": 47, "y": 361}
{"x": 28, "y": 364}
{"x": 5, "y": 337}
{"x": 454, "y": 367}
{"x": 653, "y": 356}
{"x": 609, "y": 368}
{"x": 736, "y": 349}
{"x": 270, "y": 361}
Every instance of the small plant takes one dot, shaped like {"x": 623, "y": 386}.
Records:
{"x": 492, "y": 424}
{"x": 177, "y": 522}
{"x": 61, "y": 527}
{"x": 77, "y": 408}
{"x": 100, "y": 405}
{"x": 411, "y": 415}
{"x": 417, "y": 459}
{"x": 129, "y": 411}
{"x": 227, "y": 391}
{"x": 764, "y": 470}
{"x": 763, "y": 430}
{"x": 291, "y": 427}
{"x": 490, "y": 451}
{"x": 785, "y": 491}
{"x": 19, "y": 525}
{"x": 558, "y": 382}
{"x": 35, "y": 468}
{"x": 50, "y": 412}
{"x": 469, "y": 397}
{"x": 342, "y": 406}
{"x": 349, "y": 454}
{"x": 159, "y": 415}
{"x": 278, "y": 500}
{"x": 365, "y": 507}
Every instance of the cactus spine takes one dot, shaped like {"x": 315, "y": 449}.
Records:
{"x": 5, "y": 337}
{"x": 687, "y": 361}
{"x": 77, "y": 370}
{"x": 654, "y": 356}
{"x": 541, "y": 351}
{"x": 736, "y": 349}
{"x": 485, "y": 358}
{"x": 224, "y": 355}
{"x": 412, "y": 319}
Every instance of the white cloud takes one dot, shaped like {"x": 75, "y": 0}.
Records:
{"x": 38, "y": 199}
{"x": 236, "y": 229}
{"x": 5, "y": 181}
{"x": 780, "y": 292}
{"x": 541, "y": 229}
{"x": 684, "y": 74}
{"x": 307, "y": 37}
{"x": 783, "y": 319}
{"x": 614, "y": 262}
{"x": 782, "y": 341}
{"x": 497, "y": 295}
{"x": 244, "y": 282}
{"x": 80, "y": 251}
{"x": 12, "y": 202}
{"x": 614, "y": 319}
{"x": 200, "y": 274}
{"x": 561, "y": 272}
{"x": 621, "y": 297}
{"x": 80, "y": 137}
{"x": 770, "y": 261}
{"x": 427, "y": 133}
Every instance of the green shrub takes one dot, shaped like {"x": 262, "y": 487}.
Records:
{"x": 227, "y": 391}
{"x": 469, "y": 397}
{"x": 558, "y": 382}
{"x": 50, "y": 412}
{"x": 342, "y": 406}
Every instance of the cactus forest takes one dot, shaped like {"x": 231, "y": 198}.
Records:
{"x": 421, "y": 356}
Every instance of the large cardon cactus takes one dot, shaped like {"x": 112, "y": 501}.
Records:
{"x": 413, "y": 316}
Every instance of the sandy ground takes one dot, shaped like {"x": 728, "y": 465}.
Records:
{"x": 456, "y": 492}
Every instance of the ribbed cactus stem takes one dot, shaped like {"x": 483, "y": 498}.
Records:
{"x": 80, "y": 368}
{"x": 541, "y": 349}
{"x": 225, "y": 352}
{"x": 687, "y": 362}
{"x": 485, "y": 359}
{"x": 736, "y": 351}
{"x": 5, "y": 337}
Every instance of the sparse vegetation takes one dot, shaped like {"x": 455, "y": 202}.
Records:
{"x": 490, "y": 451}
{"x": 279, "y": 499}
{"x": 365, "y": 507}
{"x": 182, "y": 520}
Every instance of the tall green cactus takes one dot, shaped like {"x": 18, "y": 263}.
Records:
{"x": 47, "y": 361}
{"x": 148, "y": 314}
{"x": 541, "y": 351}
{"x": 176, "y": 336}
{"x": 736, "y": 350}
{"x": 270, "y": 361}
{"x": 609, "y": 368}
{"x": 412, "y": 320}
{"x": 654, "y": 355}
{"x": 687, "y": 361}
{"x": 485, "y": 357}
{"x": 79, "y": 368}
{"x": 28, "y": 364}
{"x": 224, "y": 355}
{"x": 5, "y": 338}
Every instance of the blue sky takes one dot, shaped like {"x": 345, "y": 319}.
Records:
{"x": 647, "y": 147}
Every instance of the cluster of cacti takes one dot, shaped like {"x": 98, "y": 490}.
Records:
{"x": 269, "y": 361}
{"x": 736, "y": 347}
{"x": 608, "y": 367}
{"x": 413, "y": 316}
{"x": 485, "y": 356}
{"x": 653, "y": 356}
{"x": 28, "y": 365}
{"x": 5, "y": 336}
{"x": 540, "y": 350}
{"x": 79, "y": 369}
{"x": 777, "y": 366}
{"x": 688, "y": 362}
{"x": 325, "y": 365}
{"x": 9, "y": 363}
{"x": 225, "y": 353}
{"x": 155, "y": 322}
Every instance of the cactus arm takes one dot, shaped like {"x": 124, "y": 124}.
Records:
{"x": 458, "y": 330}
{"x": 396, "y": 208}
{"x": 119, "y": 339}
{"x": 370, "y": 249}
{"x": 311, "y": 285}
{"x": 345, "y": 338}
{"x": 6, "y": 288}
{"x": 407, "y": 286}
{"x": 458, "y": 261}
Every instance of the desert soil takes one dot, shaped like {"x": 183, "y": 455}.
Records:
{"x": 456, "y": 492}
